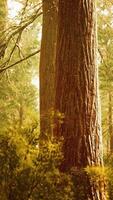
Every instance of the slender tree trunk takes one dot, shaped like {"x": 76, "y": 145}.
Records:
{"x": 77, "y": 88}
{"x": 47, "y": 64}
{"x": 110, "y": 122}
{"x": 21, "y": 113}
{"x": 3, "y": 14}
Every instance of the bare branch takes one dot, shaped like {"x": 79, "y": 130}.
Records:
{"x": 19, "y": 61}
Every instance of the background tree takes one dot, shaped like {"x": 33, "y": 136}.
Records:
{"x": 47, "y": 64}
{"x": 26, "y": 173}
{"x": 105, "y": 31}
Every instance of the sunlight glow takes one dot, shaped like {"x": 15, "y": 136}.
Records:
{"x": 35, "y": 82}
{"x": 40, "y": 35}
{"x": 105, "y": 12}
{"x": 14, "y": 8}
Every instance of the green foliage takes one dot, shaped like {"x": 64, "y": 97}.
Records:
{"x": 98, "y": 177}
{"x": 90, "y": 177}
{"x": 96, "y": 173}
{"x": 109, "y": 163}
{"x": 30, "y": 172}
{"x": 105, "y": 40}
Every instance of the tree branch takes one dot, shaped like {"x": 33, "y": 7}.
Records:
{"x": 19, "y": 61}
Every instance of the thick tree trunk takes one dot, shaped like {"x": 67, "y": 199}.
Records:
{"x": 47, "y": 64}
{"x": 3, "y": 14}
{"x": 76, "y": 83}
{"x": 77, "y": 88}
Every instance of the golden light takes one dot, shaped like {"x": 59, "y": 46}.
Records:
{"x": 13, "y": 8}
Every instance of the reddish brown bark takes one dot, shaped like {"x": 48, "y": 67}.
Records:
{"x": 47, "y": 63}
{"x": 77, "y": 88}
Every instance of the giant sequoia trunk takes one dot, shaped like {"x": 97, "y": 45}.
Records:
{"x": 77, "y": 88}
{"x": 3, "y": 14}
{"x": 47, "y": 64}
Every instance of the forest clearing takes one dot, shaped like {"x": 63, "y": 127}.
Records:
{"x": 56, "y": 100}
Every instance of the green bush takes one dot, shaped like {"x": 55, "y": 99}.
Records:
{"x": 28, "y": 172}
{"x": 109, "y": 164}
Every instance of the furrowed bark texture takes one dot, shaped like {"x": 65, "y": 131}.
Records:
{"x": 77, "y": 88}
{"x": 47, "y": 63}
{"x": 76, "y": 82}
